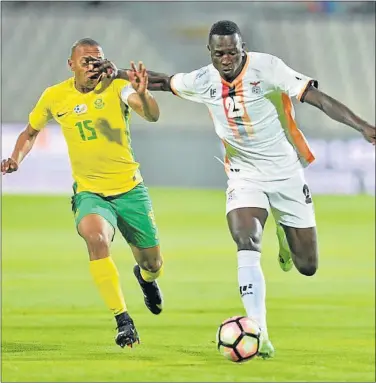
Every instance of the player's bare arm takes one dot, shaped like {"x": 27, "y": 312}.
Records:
{"x": 156, "y": 81}
{"x": 339, "y": 112}
{"x": 23, "y": 146}
{"x": 142, "y": 102}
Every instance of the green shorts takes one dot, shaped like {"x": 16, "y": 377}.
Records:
{"x": 131, "y": 212}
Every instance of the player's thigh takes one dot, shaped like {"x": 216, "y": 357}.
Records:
{"x": 95, "y": 221}
{"x": 303, "y": 242}
{"x": 292, "y": 206}
{"x": 291, "y": 202}
{"x": 135, "y": 218}
{"x": 247, "y": 209}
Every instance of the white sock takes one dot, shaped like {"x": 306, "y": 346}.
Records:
{"x": 252, "y": 286}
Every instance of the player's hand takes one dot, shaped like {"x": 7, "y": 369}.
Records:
{"x": 369, "y": 133}
{"x": 138, "y": 77}
{"x": 105, "y": 67}
{"x": 9, "y": 166}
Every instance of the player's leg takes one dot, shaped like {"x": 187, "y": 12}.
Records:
{"x": 304, "y": 249}
{"x": 247, "y": 212}
{"x": 95, "y": 224}
{"x": 137, "y": 224}
{"x": 293, "y": 210}
{"x": 148, "y": 268}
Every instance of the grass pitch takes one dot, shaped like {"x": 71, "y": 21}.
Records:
{"x": 56, "y": 328}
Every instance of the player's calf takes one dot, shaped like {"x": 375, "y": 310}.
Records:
{"x": 304, "y": 252}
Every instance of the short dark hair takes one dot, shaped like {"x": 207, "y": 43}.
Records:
{"x": 224, "y": 28}
{"x": 85, "y": 41}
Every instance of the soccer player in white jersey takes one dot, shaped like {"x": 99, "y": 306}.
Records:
{"x": 248, "y": 95}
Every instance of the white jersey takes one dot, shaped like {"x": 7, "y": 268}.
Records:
{"x": 253, "y": 116}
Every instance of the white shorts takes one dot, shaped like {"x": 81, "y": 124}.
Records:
{"x": 289, "y": 200}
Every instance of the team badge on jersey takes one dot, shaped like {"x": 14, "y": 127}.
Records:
{"x": 98, "y": 103}
{"x": 80, "y": 109}
{"x": 256, "y": 89}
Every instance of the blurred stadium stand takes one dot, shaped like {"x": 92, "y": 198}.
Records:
{"x": 331, "y": 41}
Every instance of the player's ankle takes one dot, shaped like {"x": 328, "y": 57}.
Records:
{"x": 121, "y": 318}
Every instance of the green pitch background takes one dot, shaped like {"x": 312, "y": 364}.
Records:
{"x": 56, "y": 328}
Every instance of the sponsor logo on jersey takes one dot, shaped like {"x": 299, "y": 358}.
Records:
{"x": 213, "y": 92}
{"x": 80, "y": 109}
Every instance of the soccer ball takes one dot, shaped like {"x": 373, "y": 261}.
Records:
{"x": 239, "y": 338}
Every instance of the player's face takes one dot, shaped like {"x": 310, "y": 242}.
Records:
{"x": 78, "y": 64}
{"x": 226, "y": 54}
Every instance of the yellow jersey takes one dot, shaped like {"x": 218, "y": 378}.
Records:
{"x": 96, "y": 128}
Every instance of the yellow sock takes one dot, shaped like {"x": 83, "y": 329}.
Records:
{"x": 148, "y": 276}
{"x": 106, "y": 277}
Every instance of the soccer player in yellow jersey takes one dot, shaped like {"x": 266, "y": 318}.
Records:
{"x": 93, "y": 111}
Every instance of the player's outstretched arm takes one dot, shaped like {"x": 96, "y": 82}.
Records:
{"x": 339, "y": 112}
{"x": 156, "y": 81}
{"x": 23, "y": 146}
{"x": 142, "y": 101}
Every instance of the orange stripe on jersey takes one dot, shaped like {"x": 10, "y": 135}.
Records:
{"x": 227, "y": 165}
{"x": 239, "y": 91}
{"x": 226, "y": 160}
{"x": 296, "y": 135}
{"x": 231, "y": 121}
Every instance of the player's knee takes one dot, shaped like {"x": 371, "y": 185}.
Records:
{"x": 308, "y": 270}
{"x": 152, "y": 265}
{"x": 98, "y": 245}
{"x": 308, "y": 267}
{"x": 247, "y": 241}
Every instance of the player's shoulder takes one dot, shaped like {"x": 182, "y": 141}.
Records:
{"x": 118, "y": 86}
{"x": 120, "y": 83}
{"x": 59, "y": 88}
{"x": 202, "y": 77}
{"x": 262, "y": 61}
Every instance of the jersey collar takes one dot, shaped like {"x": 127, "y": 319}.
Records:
{"x": 239, "y": 77}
